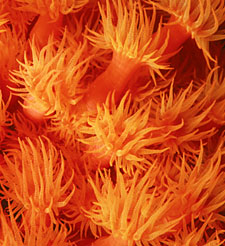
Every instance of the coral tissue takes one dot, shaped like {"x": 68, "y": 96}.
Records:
{"x": 112, "y": 122}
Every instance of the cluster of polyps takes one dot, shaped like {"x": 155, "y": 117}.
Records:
{"x": 112, "y": 122}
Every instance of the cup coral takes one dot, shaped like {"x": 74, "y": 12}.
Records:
{"x": 112, "y": 122}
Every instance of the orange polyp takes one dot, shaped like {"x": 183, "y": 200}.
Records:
{"x": 41, "y": 31}
{"x": 122, "y": 67}
{"x": 44, "y": 27}
{"x": 114, "y": 79}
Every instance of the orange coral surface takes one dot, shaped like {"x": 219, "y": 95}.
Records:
{"x": 112, "y": 122}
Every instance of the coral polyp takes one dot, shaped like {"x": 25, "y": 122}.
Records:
{"x": 112, "y": 122}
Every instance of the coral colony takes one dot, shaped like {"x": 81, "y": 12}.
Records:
{"x": 112, "y": 122}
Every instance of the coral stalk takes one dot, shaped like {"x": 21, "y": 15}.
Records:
{"x": 114, "y": 79}
{"x": 178, "y": 34}
{"x": 44, "y": 27}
